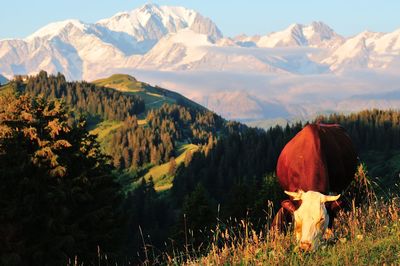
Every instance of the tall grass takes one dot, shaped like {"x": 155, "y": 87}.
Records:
{"x": 364, "y": 234}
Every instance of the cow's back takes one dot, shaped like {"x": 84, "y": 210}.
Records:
{"x": 320, "y": 158}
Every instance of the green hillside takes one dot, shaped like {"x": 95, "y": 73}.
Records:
{"x": 6, "y": 89}
{"x": 128, "y": 115}
{"x": 162, "y": 180}
{"x": 121, "y": 82}
{"x": 153, "y": 96}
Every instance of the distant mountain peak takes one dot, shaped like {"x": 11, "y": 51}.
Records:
{"x": 297, "y": 34}
{"x": 152, "y": 22}
{"x": 177, "y": 41}
{"x": 149, "y": 6}
{"x": 55, "y": 28}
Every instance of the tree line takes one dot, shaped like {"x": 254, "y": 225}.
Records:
{"x": 133, "y": 146}
{"x": 83, "y": 97}
{"x": 370, "y": 129}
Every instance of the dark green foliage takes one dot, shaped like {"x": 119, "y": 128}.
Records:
{"x": 57, "y": 197}
{"x": 84, "y": 97}
{"x": 370, "y": 129}
{"x": 233, "y": 170}
{"x": 233, "y": 173}
{"x": 133, "y": 146}
{"x": 376, "y": 135}
{"x": 198, "y": 217}
{"x": 236, "y": 163}
{"x": 149, "y": 219}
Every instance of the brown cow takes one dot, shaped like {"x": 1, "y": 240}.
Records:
{"x": 319, "y": 160}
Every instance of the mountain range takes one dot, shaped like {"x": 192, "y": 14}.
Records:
{"x": 294, "y": 73}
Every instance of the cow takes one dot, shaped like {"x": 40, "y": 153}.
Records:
{"x": 318, "y": 162}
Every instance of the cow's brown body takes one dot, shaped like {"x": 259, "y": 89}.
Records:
{"x": 319, "y": 158}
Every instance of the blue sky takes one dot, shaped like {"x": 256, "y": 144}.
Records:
{"x": 347, "y": 17}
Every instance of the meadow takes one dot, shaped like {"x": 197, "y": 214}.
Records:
{"x": 367, "y": 233}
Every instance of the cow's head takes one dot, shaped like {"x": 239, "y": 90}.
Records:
{"x": 311, "y": 218}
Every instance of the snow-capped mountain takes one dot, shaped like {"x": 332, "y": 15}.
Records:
{"x": 149, "y": 23}
{"x": 80, "y": 50}
{"x": 301, "y": 70}
{"x": 317, "y": 34}
{"x": 367, "y": 50}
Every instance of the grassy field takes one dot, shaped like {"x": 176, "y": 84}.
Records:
{"x": 153, "y": 100}
{"x": 104, "y": 129}
{"x": 153, "y": 96}
{"x": 7, "y": 88}
{"x": 121, "y": 82}
{"x": 368, "y": 235}
{"x": 163, "y": 181}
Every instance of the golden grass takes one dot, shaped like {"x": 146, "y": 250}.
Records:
{"x": 121, "y": 82}
{"x": 364, "y": 235}
{"x": 142, "y": 122}
{"x": 155, "y": 94}
{"x": 104, "y": 129}
{"x": 162, "y": 181}
{"x": 368, "y": 235}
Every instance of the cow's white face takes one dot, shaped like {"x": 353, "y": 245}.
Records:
{"x": 311, "y": 218}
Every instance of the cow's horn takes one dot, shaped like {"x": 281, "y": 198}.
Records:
{"x": 330, "y": 198}
{"x": 294, "y": 195}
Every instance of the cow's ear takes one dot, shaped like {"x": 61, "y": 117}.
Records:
{"x": 288, "y": 205}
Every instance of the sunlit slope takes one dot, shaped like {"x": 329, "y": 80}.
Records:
{"x": 161, "y": 178}
{"x": 153, "y": 96}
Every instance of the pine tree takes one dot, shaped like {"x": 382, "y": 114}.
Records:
{"x": 57, "y": 192}
{"x": 172, "y": 166}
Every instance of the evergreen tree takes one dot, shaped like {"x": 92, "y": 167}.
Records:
{"x": 57, "y": 195}
{"x": 172, "y": 167}
{"x": 197, "y": 216}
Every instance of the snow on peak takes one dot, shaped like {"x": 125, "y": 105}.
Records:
{"x": 318, "y": 29}
{"x": 152, "y": 22}
{"x": 367, "y": 49}
{"x": 291, "y": 36}
{"x": 55, "y": 28}
{"x": 312, "y": 35}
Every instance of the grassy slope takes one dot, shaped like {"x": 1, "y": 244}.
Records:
{"x": 121, "y": 82}
{"x": 7, "y": 88}
{"x": 163, "y": 181}
{"x": 104, "y": 129}
{"x": 154, "y": 97}
{"x": 363, "y": 236}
